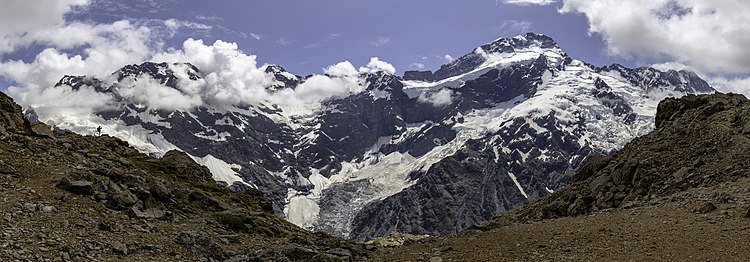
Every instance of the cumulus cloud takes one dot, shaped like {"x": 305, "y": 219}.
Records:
{"x": 442, "y": 97}
{"x": 20, "y": 17}
{"x": 528, "y": 2}
{"x": 710, "y": 35}
{"x": 62, "y": 100}
{"x": 316, "y": 89}
{"x": 375, "y": 65}
{"x": 341, "y": 69}
{"x": 147, "y": 91}
{"x": 448, "y": 58}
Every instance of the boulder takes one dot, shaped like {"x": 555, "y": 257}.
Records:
{"x": 6, "y": 168}
{"x": 80, "y": 187}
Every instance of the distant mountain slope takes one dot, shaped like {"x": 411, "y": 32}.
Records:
{"x": 498, "y": 127}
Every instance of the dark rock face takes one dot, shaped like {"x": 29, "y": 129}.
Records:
{"x": 11, "y": 116}
{"x": 426, "y": 76}
{"x": 647, "y": 77}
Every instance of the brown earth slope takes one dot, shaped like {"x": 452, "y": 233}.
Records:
{"x": 66, "y": 197}
{"x": 680, "y": 193}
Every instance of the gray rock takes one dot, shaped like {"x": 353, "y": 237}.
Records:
{"x": 29, "y": 207}
{"x": 201, "y": 242}
{"x": 125, "y": 198}
{"x": 7, "y": 168}
{"x": 298, "y": 253}
{"x": 148, "y": 213}
{"x": 80, "y": 187}
{"x": 49, "y": 209}
{"x": 706, "y": 208}
{"x": 340, "y": 252}
{"x": 119, "y": 248}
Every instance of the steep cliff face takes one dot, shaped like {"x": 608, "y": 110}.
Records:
{"x": 501, "y": 126}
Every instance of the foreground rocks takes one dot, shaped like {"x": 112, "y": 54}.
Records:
{"x": 68, "y": 197}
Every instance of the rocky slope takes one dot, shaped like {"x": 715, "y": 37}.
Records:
{"x": 507, "y": 123}
{"x": 71, "y": 197}
{"x": 677, "y": 193}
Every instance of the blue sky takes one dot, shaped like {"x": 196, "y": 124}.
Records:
{"x": 42, "y": 40}
{"x": 305, "y": 36}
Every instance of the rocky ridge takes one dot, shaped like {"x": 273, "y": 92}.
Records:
{"x": 71, "y": 197}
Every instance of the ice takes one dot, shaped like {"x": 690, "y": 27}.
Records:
{"x": 302, "y": 208}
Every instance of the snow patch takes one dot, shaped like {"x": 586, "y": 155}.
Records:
{"x": 518, "y": 185}
{"x": 222, "y": 171}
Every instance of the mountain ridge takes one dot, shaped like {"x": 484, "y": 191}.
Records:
{"x": 348, "y": 165}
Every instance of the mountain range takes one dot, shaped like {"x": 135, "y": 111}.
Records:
{"x": 424, "y": 153}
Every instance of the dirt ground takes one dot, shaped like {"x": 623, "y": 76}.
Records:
{"x": 670, "y": 229}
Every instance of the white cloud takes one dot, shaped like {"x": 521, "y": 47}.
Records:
{"x": 147, "y": 91}
{"x": 106, "y": 47}
{"x": 740, "y": 85}
{"x": 61, "y": 100}
{"x": 231, "y": 76}
{"x": 380, "y": 41}
{"x": 418, "y": 66}
{"x": 442, "y": 97}
{"x": 341, "y": 69}
{"x": 448, "y": 58}
{"x": 710, "y": 35}
{"x": 19, "y": 17}
{"x": 175, "y": 24}
{"x": 375, "y": 65}
{"x": 256, "y": 36}
{"x": 318, "y": 88}
{"x": 527, "y": 2}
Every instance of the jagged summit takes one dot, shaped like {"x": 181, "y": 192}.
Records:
{"x": 162, "y": 72}
{"x": 284, "y": 77}
{"x": 523, "y": 47}
{"x": 525, "y": 41}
